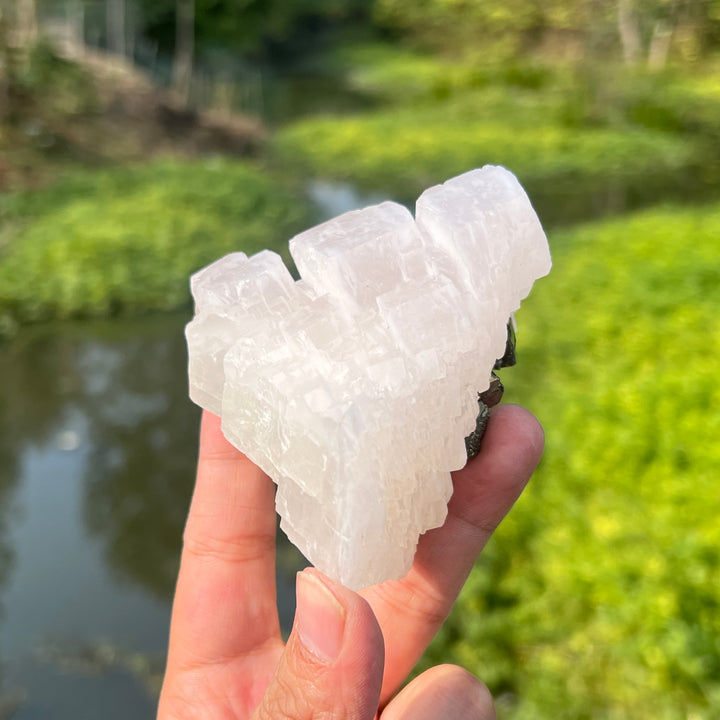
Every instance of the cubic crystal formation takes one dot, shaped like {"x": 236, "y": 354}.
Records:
{"x": 354, "y": 387}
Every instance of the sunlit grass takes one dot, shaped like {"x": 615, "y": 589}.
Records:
{"x": 600, "y": 597}
{"x": 404, "y": 151}
{"x": 127, "y": 239}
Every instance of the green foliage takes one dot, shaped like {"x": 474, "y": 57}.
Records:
{"x": 569, "y": 173}
{"x": 535, "y": 93}
{"x": 505, "y": 31}
{"x": 449, "y": 24}
{"x": 584, "y": 140}
{"x": 127, "y": 239}
{"x": 37, "y": 84}
{"x": 669, "y": 101}
{"x": 395, "y": 74}
{"x": 62, "y": 86}
{"x": 244, "y": 25}
{"x": 600, "y": 597}
{"x": 398, "y": 75}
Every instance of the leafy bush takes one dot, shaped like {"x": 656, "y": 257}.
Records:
{"x": 498, "y": 30}
{"x": 61, "y": 86}
{"x": 568, "y": 173}
{"x": 398, "y": 75}
{"x": 600, "y": 596}
{"x": 667, "y": 101}
{"x": 585, "y": 140}
{"x": 127, "y": 239}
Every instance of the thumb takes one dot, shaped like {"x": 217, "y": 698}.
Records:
{"x": 332, "y": 666}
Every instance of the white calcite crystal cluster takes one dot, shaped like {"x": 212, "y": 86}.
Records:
{"x": 354, "y": 387}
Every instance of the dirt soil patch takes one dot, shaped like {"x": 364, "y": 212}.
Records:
{"x": 128, "y": 119}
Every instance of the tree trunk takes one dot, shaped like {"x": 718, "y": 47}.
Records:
{"x": 75, "y": 13}
{"x": 184, "y": 48}
{"x": 5, "y": 63}
{"x": 629, "y": 32}
{"x": 115, "y": 23}
{"x": 659, "y": 45}
{"x": 26, "y": 24}
{"x": 131, "y": 22}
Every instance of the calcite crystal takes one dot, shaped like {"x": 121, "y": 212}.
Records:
{"x": 354, "y": 387}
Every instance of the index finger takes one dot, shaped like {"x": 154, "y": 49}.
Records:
{"x": 225, "y": 604}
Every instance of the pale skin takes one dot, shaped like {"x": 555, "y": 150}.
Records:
{"x": 348, "y": 653}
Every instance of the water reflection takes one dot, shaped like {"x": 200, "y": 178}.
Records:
{"x": 142, "y": 433}
{"x": 10, "y": 698}
{"x": 98, "y": 446}
{"x": 333, "y": 198}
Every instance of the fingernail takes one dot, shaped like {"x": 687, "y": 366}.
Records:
{"x": 320, "y": 618}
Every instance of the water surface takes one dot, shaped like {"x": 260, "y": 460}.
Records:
{"x": 98, "y": 446}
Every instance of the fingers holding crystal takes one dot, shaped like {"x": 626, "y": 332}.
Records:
{"x": 411, "y": 611}
{"x": 354, "y": 386}
{"x": 225, "y": 603}
{"x": 332, "y": 664}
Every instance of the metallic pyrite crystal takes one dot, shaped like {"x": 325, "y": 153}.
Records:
{"x": 355, "y": 387}
{"x": 492, "y": 396}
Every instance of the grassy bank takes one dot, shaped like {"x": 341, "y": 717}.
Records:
{"x": 600, "y": 596}
{"x": 569, "y": 175}
{"x": 60, "y": 115}
{"x": 126, "y": 239}
{"x": 584, "y": 141}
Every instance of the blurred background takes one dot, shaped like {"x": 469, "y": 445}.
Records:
{"x": 141, "y": 139}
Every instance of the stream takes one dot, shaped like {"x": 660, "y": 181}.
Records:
{"x": 98, "y": 445}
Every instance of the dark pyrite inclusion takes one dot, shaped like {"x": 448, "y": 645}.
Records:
{"x": 491, "y": 396}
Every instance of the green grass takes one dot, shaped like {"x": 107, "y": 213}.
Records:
{"x": 570, "y": 174}
{"x": 536, "y": 92}
{"x": 673, "y": 101}
{"x": 399, "y": 75}
{"x": 600, "y": 598}
{"x": 127, "y": 239}
{"x": 584, "y": 140}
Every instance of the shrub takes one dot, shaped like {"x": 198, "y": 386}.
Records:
{"x": 569, "y": 173}
{"x": 399, "y": 75}
{"x": 59, "y": 86}
{"x": 127, "y": 239}
{"x": 600, "y": 597}
{"x": 669, "y": 101}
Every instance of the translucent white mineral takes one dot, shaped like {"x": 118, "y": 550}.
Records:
{"x": 355, "y": 386}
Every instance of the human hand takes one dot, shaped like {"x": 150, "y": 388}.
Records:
{"x": 348, "y": 653}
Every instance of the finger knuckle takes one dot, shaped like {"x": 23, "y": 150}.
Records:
{"x": 416, "y": 599}
{"x": 241, "y": 549}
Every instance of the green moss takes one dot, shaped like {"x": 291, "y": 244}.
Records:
{"x": 127, "y": 239}
{"x": 600, "y": 597}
